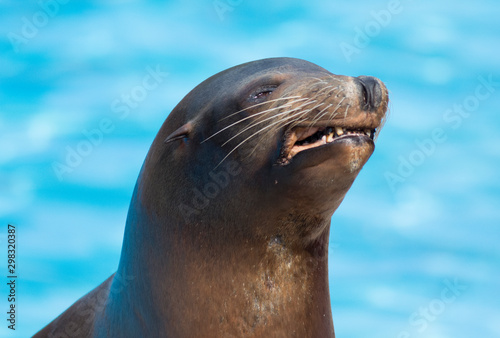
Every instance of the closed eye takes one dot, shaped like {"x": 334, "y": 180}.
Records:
{"x": 262, "y": 94}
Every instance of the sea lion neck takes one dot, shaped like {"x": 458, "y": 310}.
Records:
{"x": 263, "y": 286}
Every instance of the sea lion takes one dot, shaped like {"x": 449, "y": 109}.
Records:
{"x": 228, "y": 227}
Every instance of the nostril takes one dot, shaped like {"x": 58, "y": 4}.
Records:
{"x": 372, "y": 93}
{"x": 366, "y": 96}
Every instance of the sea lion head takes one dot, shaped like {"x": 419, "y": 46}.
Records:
{"x": 277, "y": 132}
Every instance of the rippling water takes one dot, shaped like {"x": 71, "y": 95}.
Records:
{"x": 414, "y": 247}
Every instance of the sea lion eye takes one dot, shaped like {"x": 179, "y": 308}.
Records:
{"x": 262, "y": 94}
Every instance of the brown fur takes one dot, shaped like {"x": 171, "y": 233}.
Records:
{"x": 249, "y": 258}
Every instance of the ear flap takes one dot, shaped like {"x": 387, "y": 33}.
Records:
{"x": 180, "y": 133}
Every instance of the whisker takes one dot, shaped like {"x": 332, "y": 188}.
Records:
{"x": 333, "y": 114}
{"x": 321, "y": 114}
{"x": 279, "y": 124}
{"x": 262, "y": 121}
{"x": 251, "y": 136}
{"x": 315, "y": 78}
{"x": 302, "y": 113}
{"x": 338, "y": 106}
{"x": 313, "y": 108}
{"x": 253, "y": 116}
{"x": 324, "y": 111}
{"x": 259, "y": 104}
{"x": 328, "y": 87}
{"x": 336, "y": 79}
{"x": 297, "y": 115}
{"x": 347, "y": 109}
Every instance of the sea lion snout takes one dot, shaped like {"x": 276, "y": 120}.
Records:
{"x": 373, "y": 92}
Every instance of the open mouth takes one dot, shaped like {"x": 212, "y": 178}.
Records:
{"x": 304, "y": 138}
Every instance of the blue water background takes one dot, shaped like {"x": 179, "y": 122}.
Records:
{"x": 403, "y": 233}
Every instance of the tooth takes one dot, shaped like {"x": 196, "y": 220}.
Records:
{"x": 368, "y": 132}
{"x": 330, "y": 138}
{"x": 323, "y": 139}
{"x": 339, "y": 131}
